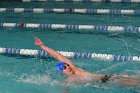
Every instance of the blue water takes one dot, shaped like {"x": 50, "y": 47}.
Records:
{"x": 33, "y": 75}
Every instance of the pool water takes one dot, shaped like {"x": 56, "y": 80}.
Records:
{"x": 34, "y": 75}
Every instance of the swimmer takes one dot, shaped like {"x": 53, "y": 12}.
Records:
{"x": 77, "y": 75}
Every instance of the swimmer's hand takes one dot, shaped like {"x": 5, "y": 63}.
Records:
{"x": 38, "y": 42}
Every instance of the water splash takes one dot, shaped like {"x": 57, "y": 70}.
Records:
{"x": 136, "y": 72}
{"x": 127, "y": 49}
{"x": 7, "y": 74}
{"x": 111, "y": 67}
{"x": 37, "y": 79}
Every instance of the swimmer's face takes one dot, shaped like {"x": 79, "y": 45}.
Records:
{"x": 67, "y": 70}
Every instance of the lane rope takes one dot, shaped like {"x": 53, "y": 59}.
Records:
{"x": 85, "y": 1}
{"x": 71, "y": 10}
{"x": 43, "y": 54}
{"x": 93, "y": 28}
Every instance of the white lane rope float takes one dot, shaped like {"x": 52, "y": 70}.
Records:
{"x": 83, "y": 1}
{"x": 43, "y": 54}
{"x": 72, "y": 10}
{"x": 91, "y": 28}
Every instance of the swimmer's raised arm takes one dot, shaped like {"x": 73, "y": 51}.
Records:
{"x": 53, "y": 53}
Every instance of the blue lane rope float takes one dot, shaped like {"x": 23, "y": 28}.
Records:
{"x": 72, "y": 10}
{"x": 84, "y": 1}
{"x": 43, "y": 54}
{"x": 99, "y": 28}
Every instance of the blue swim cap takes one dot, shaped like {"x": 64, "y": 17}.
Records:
{"x": 60, "y": 66}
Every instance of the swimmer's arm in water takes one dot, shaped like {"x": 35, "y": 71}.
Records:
{"x": 53, "y": 53}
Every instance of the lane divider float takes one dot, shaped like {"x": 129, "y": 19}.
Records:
{"x": 71, "y": 10}
{"x": 43, "y": 54}
{"x": 93, "y": 28}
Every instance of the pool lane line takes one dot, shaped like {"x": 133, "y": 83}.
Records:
{"x": 43, "y": 54}
{"x": 83, "y": 1}
{"x": 72, "y": 11}
{"x": 72, "y": 27}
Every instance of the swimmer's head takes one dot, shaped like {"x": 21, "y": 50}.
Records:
{"x": 65, "y": 68}
{"x": 61, "y": 65}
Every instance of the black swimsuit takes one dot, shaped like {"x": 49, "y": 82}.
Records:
{"x": 106, "y": 78}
